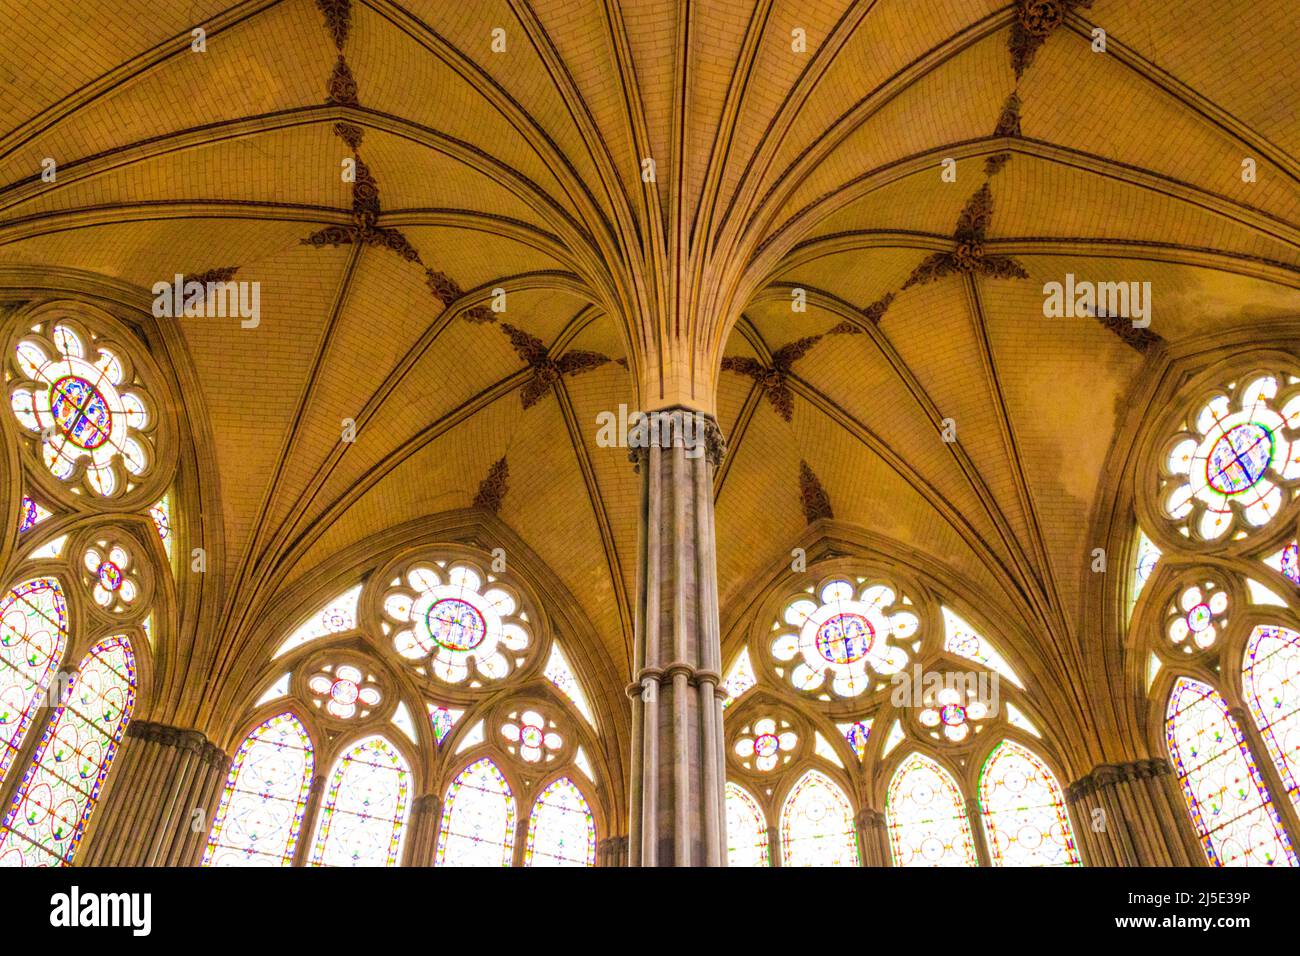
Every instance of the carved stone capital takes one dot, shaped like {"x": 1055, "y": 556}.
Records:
{"x": 1109, "y": 774}
{"x": 696, "y": 432}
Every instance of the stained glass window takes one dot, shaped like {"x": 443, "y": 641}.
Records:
{"x": 363, "y": 813}
{"x": 927, "y": 817}
{"x": 1024, "y": 810}
{"x": 1225, "y": 795}
{"x": 857, "y": 734}
{"x": 963, "y": 640}
{"x": 77, "y": 394}
{"x": 48, "y": 817}
{"x": 559, "y": 673}
{"x": 1235, "y": 467}
{"x": 1286, "y": 562}
{"x": 747, "y": 843}
{"x": 161, "y": 513}
{"x": 443, "y": 719}
{"x": 261, "y": 811}
{"x": 33, "y": 632}
{"x": 335, "y": 617}
{"x": 739, "y": 679}
{"x": 464, "y": 626}
{"x": 1144, "y": 564}
{"x": 561, "y": 831}
{"x": 856, "y": 635}
{"x": 478, "y": 819}
{"x": 30, "y": 514}
{"x": 817, "y": 824}
{"x": 1271, "y": 686}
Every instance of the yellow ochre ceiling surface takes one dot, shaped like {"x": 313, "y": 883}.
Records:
{"x": 795, "y": 146}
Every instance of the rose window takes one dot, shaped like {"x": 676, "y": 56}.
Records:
{"x": 952, "y": 713}
{"x": 344, "y": 691}
{"x": 465, "y": 625}
{"x": 80, "y": 400}
{"x": 111, "y": 576}
{"x": 1233, "y": 466}
{"x": 849, "y": 641}
{"x": 1197, "y": 618}
{"x": 531, "y": 736}
{"x": 765, "y": 744}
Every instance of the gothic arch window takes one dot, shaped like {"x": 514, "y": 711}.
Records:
{"x": 817, "y": 826}
{"x": 561, "y": 831}
{"x": 747, "y": 840}
{"x": 1229, "y": 804}
{"x": 261, "y": 811}
{"x": 1024, "y": 810}
{"x": 926, "y": 816}
{"x": 1271, "y": 686}
{"x": 51, "y": 808}
{"x": 478, "y": 818}
{"x": 33, "y": 634}
{"x": 363, "y": 813}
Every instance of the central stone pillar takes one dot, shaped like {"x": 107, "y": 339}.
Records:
{"x": 1131, "y": 814}
{"x": 678, "y": 817}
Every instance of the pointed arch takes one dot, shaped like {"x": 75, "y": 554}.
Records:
{"x": 926, "y": 816}
{"x": 478, "y": 819}
{"x": 33, "y": 635}
{"x": 561, "y": 831}
{"x": 1229, "y": 805}
{"x": 261, "y": 810}
{"x": 1024, "y": 810}
{"x": 817, "y": 826}
{"x": 363, "y": 814}
{"x": 48, "y": 817}
{"x": 1270, "y": 681}
{"x": 747, "y": 840}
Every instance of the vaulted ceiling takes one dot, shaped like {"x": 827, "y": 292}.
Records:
{"x": 777, "y": 167}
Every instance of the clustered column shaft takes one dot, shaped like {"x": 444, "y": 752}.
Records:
{"x": 678, "y": 815}
{"x": 148, "y": 817}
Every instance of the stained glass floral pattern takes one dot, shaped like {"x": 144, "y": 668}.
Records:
{"x": 531, "y": 736}
{"x": 344, "y": 691}
{"x": 747, "y": 842}
{"x": 817, "y": 824}
{"x": 561, "y": 831}
{"x": 849, "y": 642}
{"x": 467, "y": 628}
{"x": 926, "y": 817}
{"x": 1230, "y": 807}
{"x": 33, "y": 634}
{"x": 51, "y": 808}
{"x": 80, "y": 394}
{"x": 478, "y": 819}
{"x": 952, "y": 713}
{"x": 111, "y": 577}
{"x": 1024, "y": 810}
{"x": 1197, "y": 618}
{"x": 1271, "y": 686}
{"x": 1232, "y": 466}
{"x": 261, "y": 811}
{"x": 364, "y": 809}
{"x": 765, "y": 744}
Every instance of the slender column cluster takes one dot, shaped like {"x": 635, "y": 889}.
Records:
{"x": 165, "y": 788}
{"x": 678, "y": 815}
{"x": 1131, "y": 815}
